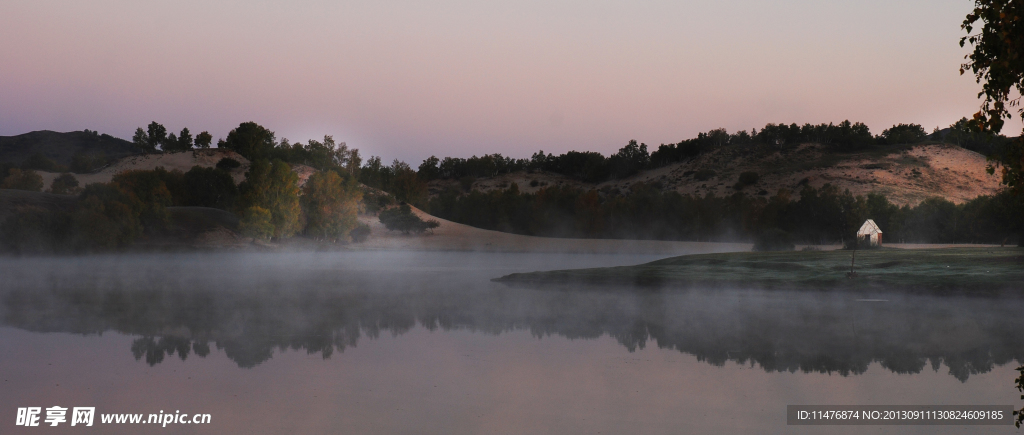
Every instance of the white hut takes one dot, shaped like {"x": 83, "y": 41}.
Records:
{"x": 869, "y": 234}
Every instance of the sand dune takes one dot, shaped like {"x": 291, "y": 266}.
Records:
{"x": 451, "y": 236}
{"x": 907, "y": 177}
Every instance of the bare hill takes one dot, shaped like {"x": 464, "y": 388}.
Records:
{"x": 906, "y": 176}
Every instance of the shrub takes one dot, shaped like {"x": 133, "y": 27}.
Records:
{"x": 374, "y": 202}
{"x": 402, "y": 219}
{"x": 22, "y": 179}
{"x": 746, "y": 179}
{"x": 64, "y": 184}
{"x": 904, "y": 134}
{"x": 228, "y": 164}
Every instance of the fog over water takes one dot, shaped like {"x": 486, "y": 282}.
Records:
{"x": 402, "y": 342}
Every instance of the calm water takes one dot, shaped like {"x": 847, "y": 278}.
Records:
{"x": 424, "y": 343}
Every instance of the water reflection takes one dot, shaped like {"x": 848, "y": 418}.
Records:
{"x": 184, "y": 310}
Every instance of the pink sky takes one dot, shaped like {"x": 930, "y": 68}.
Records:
{"x": 405, "y": 79}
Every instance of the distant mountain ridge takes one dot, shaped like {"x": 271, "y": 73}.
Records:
{"x": 62, "y": 147}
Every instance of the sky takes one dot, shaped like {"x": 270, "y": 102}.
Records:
{"x": 410, "y": 79}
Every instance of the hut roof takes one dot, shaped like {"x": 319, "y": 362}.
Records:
{"x": 869, "y": 227}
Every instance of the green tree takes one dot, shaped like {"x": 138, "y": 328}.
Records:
{"x": 251, "y": 140}
{"x": 152, "y": 190}
{"x": 203, "y": 140}
{"x": 997, "y": 63}
{"x": 272, "y": 186}
{"x": 156, "y": 135}
{"x": 904, "y": 134}
{"x": 141, "y": 140}
{"x": 107, "y": 217}
{"x": 182, "y": 142}
{"x": 22, "y": 179}
{"x": 428, "y": 170}
{"x": 330, "y": 204}
{"x": 256, "y": 223}
{"x": 405, "y": 185}
{"x": 208, "y": 187}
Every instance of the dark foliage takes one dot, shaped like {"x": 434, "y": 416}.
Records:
{"x": 207, "y": 187}
{"x": 402, "y": 219}
{"x": 64, "y": 184}
{"x": 820, "y": 216}
{"x": 40, "y": 162}
{"x": 746, "y": 179}
{"x": 228, "y": 164}
{"x": 904, "y": 134}
{"x": 773, "y": 239}
{"x": 251, "y": 140}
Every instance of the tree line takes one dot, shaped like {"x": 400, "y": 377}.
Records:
{"x": 269, "y": 202}
{"x": 819, "y": 216}
{"x": 634, "y": 157}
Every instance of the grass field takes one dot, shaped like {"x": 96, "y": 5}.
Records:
{"x": 973, "y": 270}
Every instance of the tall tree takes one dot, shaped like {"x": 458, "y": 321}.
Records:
{"x": 997, "y": 64}
{"x": 156, "y": 135}
{"x": 251, "y": 140}
{"x": 330, "y": 204}
{"x": 203, "y": 140}
{"x": 141, "y": 140}
{"x": 272, "y": 186}
{"x": 184, "y": 140}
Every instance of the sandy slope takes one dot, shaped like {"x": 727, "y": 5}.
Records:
{"x": 451, "y": 236}
{"x": 906, "y": 177}
{"x": 181, "y": 161}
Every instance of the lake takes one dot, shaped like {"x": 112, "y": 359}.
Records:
{"x": 425, "y": 343}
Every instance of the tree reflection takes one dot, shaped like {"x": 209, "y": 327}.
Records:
{"x": 777, "y": 331}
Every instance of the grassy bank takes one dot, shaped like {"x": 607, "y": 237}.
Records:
{"x": 975, "y": 270}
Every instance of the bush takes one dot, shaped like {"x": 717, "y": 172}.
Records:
{"x": 64, "y": 184}
{"x": 402, "y": 219}
{"x": 22, "y": 179}
{"x": 374, "y": 202}
{"x": 746, "y": 179}
{"x": 904, "y": 134}
{"x": 228, "y": 164}
{"x": 774, "y": 240}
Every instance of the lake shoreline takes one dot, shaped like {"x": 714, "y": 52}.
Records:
{"x": 959, "y": 270}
